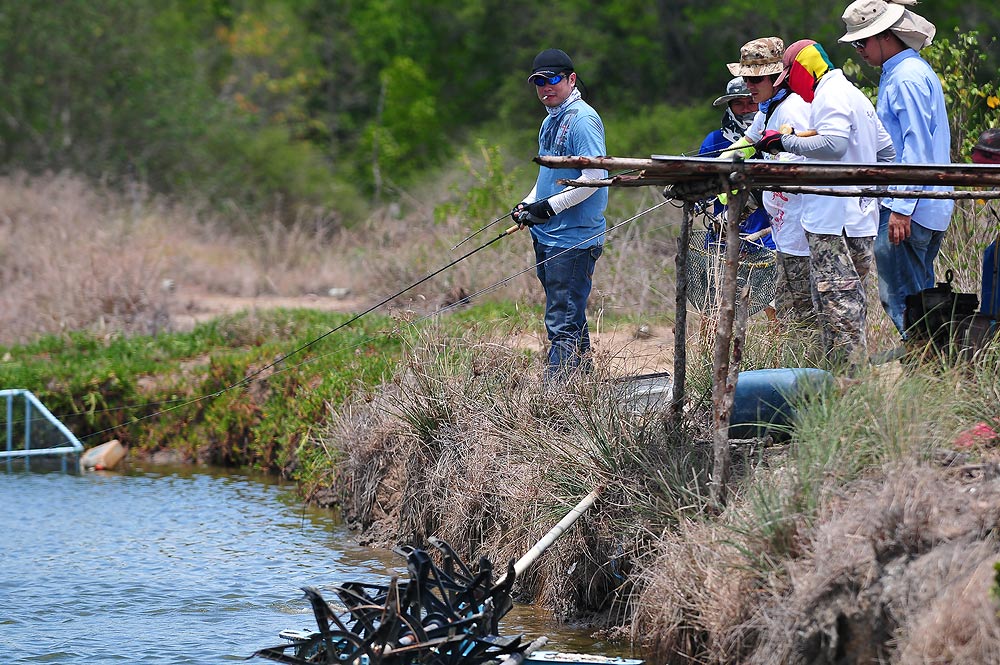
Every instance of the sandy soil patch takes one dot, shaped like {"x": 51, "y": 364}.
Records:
{"x": 629, "y": 349}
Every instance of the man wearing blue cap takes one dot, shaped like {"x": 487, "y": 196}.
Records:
{"x": 567, "y": 223}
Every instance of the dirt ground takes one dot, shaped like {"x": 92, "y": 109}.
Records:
{"x": 630, "y": 349}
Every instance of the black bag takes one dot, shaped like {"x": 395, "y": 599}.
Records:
{"x": 935, "y": 315}
{"x": 975, "y": 333}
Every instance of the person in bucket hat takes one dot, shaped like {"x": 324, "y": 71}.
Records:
{"x": 868, "y": 18}
{"x": 840, "y": 231}
{"x": 759, "y": 57}
{"x": 567, "y": 223}
{"x": 911, "y": 106}
{"x": 739, "y": 112}
{"x": 760, "y": 65}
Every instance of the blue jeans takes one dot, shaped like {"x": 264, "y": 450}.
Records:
{"x": 567, "y": 277}
{"x": 904, "y": 269}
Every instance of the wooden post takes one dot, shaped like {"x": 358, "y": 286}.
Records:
{"x": 680, "y": 316}
{"x": 722, "y": 391}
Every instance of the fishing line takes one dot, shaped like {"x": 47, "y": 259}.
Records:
{"x": 507, "y": 279}
{"x": 503, "y": 282}
{"x": 181, "y": 403}
{"x": 247, "y": 379}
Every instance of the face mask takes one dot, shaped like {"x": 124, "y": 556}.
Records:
{"x": 802, "y": 82}
{"x": 733, "y": 126}
{"x": 810, "y": 65}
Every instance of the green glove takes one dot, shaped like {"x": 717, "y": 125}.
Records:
{"x": 743, "y": 147}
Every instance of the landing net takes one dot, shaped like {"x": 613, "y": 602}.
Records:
{"x": 706, "y": 261}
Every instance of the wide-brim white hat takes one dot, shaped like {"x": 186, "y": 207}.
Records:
{"x": 865, "y": 18}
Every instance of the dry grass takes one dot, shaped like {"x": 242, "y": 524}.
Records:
{"x": 853, "y": 546}
{"x": 69, "y": 261}
{"x": 694, "y": 591}
{"x": 78, "y": 256}
{"x": 74, "y": 256}
{"x": 888, "y": 562}
{"x": 469, "y": 446}
{"x": 899, "y": 569}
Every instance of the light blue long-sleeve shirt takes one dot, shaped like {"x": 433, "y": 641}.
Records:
{"x": 911, "y": 106}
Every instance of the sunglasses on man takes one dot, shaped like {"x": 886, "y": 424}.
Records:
{"x": 541, "y": 80}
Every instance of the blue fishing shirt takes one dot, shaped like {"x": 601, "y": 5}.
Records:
{"x": 911, "y": 106}
{"x": 578, "y": 130}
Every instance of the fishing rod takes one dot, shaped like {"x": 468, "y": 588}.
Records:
{"x": 509, "y": 231}
{"x": 303, "y": 347}
{"x": 732, "y": 147}
{"x": 509, "y": 214}
{"x": 485, "y": 290}
{"x": 508, "y": 278}
{"x": 470, "y": 237}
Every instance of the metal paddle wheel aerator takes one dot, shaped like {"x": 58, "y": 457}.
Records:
{"x": 441, "y": 615}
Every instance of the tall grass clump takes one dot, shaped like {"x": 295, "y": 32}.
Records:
{"x": 830, "y": 539}
{"x": 469, "y": 445}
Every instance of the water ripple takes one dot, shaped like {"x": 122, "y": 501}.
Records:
{"x": 167, "y": 566}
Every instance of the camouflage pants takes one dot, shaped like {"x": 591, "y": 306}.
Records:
{"x": 839, "y": 265}
{"x": 793, "y": 299}
{"x": 863, "y": 256}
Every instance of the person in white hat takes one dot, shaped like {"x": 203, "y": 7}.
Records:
{"x": 760, "y": 65}
{"x": 911, "y": 106}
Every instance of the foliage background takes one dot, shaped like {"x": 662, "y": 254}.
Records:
{"x": 288, "y": 105}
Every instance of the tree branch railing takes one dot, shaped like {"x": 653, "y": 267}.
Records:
{"x": 687, "y": 179}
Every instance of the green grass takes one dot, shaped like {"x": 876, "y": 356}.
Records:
{"x": 190, "y": 390}
{"x": 225, "y": 393}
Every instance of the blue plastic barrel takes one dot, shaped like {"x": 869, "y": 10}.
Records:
{"x": 764, "y": 399}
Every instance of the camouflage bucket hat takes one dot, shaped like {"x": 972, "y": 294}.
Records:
{"x": 759, "y": 58}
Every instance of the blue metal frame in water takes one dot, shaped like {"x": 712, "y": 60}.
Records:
{"x": 71, "y": 446}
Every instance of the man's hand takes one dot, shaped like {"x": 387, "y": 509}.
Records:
{"x": 769, "y": 143}
{"x": 519, "y": 214}
{"x": 541, "y": 211}
{"x": 529, "y": 214}
{"x": 899, "y": 227}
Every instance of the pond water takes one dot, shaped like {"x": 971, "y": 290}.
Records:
{"x": 163, "y": 565}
